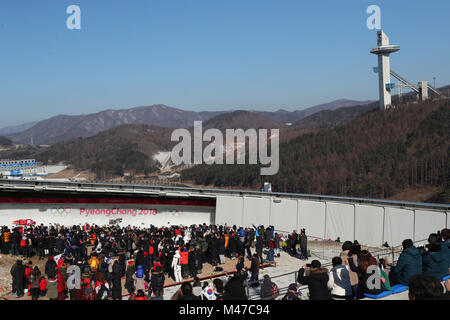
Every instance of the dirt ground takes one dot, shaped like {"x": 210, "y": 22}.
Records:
{"x": 326, "y": 248}
{"x": 7, "y": 261}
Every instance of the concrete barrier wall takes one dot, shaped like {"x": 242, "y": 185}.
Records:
{"x": 371, "y": 225}
{"x": 284, "y": 214}
{"x": 368, "y": 219}
{"x": 135, "y": 215}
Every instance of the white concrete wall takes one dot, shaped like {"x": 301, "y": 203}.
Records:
{"x": 284, "y": 215}
{"x": 229, "y": 210}
{"x": 367, "y": 220}
{"x": 340, "y": 221}
{"x": 311, "y": 217}
{"x": 371, "y": 225}
{"x": 140, "y": 215}
{"x": 256, "y": 211}
{"x": 398, "y": 225}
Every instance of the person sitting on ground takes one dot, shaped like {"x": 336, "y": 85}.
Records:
{"x": 385, "y": 264}
{"x": 365, "y": 272}
{"x": 409, "y": 264}
{"x": 434, "y": 261}
{"x": 446, "y": 245}
{"x": 425, "y": 287}
{"x": 269, "y": 290}
{"x": 339, "y": 280}
{"x": 316, "y": 278}
{"x": 347, "y": 247}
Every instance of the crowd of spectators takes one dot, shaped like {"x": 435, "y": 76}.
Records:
{"x": 146, "y": 257}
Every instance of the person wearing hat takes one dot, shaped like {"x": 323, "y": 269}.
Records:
{"x": 138, "y": 277}
{"x": 292, "y": 293}
{"x": 316, "y": 278}
{"x": 409, "y": 263}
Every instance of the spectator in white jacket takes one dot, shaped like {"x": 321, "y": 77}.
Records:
{"x": 339, "y": 280}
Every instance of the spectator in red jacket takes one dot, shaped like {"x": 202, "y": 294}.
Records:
{"x": 86, "y": 291}
{"x": 43, "y": 286}
{"x": 61, "y": 285}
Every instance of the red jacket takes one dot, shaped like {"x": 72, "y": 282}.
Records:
{"x": 61, "y": 283}
{"x": 43, "y": 284}
{"x": 27, "y": 272}
{"x": 184, "y": 257}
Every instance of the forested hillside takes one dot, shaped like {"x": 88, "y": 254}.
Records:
{"x": 378, "y": 154}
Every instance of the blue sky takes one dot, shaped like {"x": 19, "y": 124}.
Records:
{"x": 207, "y": 54}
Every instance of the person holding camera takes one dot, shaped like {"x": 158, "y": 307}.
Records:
{"x": 316, "y": 278}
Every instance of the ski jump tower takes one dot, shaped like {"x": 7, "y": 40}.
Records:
{"x": 383, "y": 50}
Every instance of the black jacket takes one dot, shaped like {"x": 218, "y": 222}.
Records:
{"x": 221, "y": 246}
{"x": 50, "y": 268}
{"x": 317, "y": 283}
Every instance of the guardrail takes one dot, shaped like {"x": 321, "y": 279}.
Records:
{"x": 115, "y": 187}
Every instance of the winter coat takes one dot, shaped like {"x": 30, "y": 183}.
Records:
{"x": 232, "y": 244}
{"x": 267, "y": 290}
{"x": 35, "y": 279}
{"x": 254, "y": 267}
{"x": 435, "y": 265}
{"x": 52, "y": 288}
{"x": 353, "y": 275}
{"x": 43, "y": 284}
{"x": 303, "y": 241}
{"x": 446, "y": 252}
{"x": 221, "y": 246}
{"x": 61, "y": 283}
{"x": 129, "y": 281}
{"x": 409, "y": 263}
{"x": 317, "y": 283}
{"x": 184, "y": 257}
{"x": 234, "y": 289}
{"x": 139, "y": 283}
{"x": 18, "y": 273}
{"x": 50, "y": 268}
{"x": 339, "y": 281}
{"x": 157, "y": 281}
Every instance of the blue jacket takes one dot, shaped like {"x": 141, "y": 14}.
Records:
{"x": 446, "y": 252}
{"x": 435, "y": 264}
{"x": 409, "y": 263}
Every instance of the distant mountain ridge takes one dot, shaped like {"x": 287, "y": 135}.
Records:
{"x": 65, "y": 127}
{"x": 285, "y": 116}
{"x": 16, "y": 129}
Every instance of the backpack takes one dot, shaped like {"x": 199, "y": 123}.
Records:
{"x": 140, "y": 273}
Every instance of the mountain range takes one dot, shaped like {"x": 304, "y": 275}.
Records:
{"x": 65, "y": 127}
